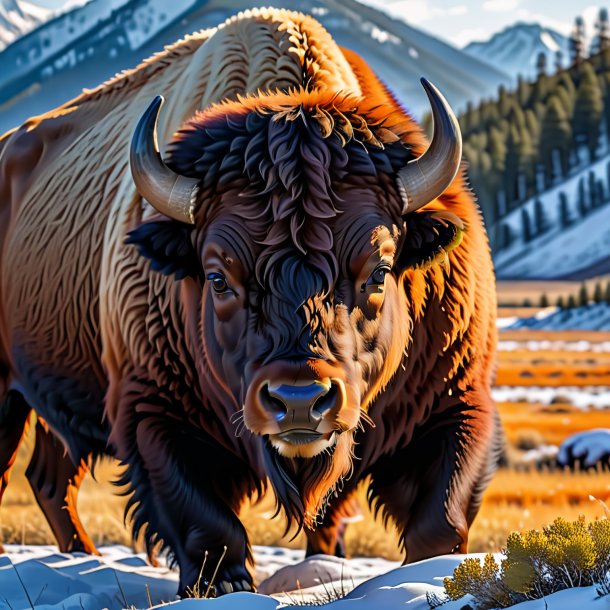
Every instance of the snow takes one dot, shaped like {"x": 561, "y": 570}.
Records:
{"x": 515, "y": 49}
{"x": 560, "y": 251}
{"x": 585, "y": 397}
{"x": 591, "y": 446}
{"x": 400, "y": 54}
{"x": 595, "y": 316}
{"x": 554, "y": 345}
{"x": 18, "y": 17}
{"x": 119, "y": 579}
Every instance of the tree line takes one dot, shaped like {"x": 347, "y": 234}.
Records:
{"x": 532, "y": 138}
{"x": 584, "y": 297}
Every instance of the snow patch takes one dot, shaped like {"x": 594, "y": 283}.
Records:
{"x": 589, "y": 397}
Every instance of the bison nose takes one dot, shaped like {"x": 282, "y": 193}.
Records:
{"x": 295, "y": 406}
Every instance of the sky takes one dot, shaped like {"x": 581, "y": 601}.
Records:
{"x": 462, "y": 21}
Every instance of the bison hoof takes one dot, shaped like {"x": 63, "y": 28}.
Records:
{"x": 223, "y": 585}
{"x": 227, "y": 586}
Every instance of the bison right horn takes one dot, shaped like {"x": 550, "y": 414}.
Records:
{"x": 168, "y": 192}
{"x": 427, "y": 177}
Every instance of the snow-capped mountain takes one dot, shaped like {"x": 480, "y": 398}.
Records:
{"x": 89, "y": 44}
{"x": 18, "y": 17}
{"x": 515, "y": 49}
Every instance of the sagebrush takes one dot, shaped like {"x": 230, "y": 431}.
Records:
{"x": 537, "y": 563}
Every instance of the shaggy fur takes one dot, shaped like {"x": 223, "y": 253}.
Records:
{"x": 109, "y": 328}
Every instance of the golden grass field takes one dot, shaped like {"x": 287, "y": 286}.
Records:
{"x": 516, "y": 499}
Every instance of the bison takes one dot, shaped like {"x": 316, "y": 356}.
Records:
{"x": 299, "y": 292}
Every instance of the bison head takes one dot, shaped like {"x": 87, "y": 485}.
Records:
{"x": 295, "y": 216}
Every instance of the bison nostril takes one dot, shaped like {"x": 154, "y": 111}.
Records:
{"x": 272, "y": 404}
{"x": 326, "y": 402}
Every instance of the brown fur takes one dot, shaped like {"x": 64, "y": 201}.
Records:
{"x": 296, "y": 150}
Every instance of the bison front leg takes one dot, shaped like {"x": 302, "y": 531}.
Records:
{"x": 185, "y": 492}
{"x": 432, "y": 488}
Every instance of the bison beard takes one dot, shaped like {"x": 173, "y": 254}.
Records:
{"x": 304, "y": 486}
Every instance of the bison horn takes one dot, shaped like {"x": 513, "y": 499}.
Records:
{"x": 168, "y": 192}
{"x": 427, "y": 177}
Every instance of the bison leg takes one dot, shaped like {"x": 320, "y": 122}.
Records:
{"x": 186, "y": 491}
{"x": 329, "y": 536}
{"x": 55, "y": 481}
{"x": 432, "y": 488}
{"x": 14, "y": 415}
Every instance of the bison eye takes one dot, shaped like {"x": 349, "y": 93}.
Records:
{"x": 377, "y": 278}
{"x": 219, "y": 282}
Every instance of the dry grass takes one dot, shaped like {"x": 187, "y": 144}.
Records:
{"x": 552, "y": 423}
{"x": 552, "y": 368}
{"x": 515, "y": 500}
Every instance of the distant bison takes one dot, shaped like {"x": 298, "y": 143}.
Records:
{"x": 587, "y": 449}
{"x": 301, "y": 293}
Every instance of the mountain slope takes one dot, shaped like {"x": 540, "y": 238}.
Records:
{"x": 515, "y": 49}
{"x": 91, "y": 43}
{"x": 18, "y": 17}
{"x": 575, "y": 252}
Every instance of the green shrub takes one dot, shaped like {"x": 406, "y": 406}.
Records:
{"x": 537, "y": 563}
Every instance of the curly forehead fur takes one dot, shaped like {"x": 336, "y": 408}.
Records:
{"x": 283, "y": 160}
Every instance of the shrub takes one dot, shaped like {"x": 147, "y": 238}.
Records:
{"x": 537, "y": 563}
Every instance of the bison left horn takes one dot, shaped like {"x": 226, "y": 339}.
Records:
{"x": 427, "y": 177}
{"x": 168, "y": 192}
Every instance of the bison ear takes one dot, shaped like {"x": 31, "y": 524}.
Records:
{"x": 167, "y": 244}
{"x": 429, "y": 236}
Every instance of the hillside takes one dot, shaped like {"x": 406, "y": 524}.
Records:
{"x": 515, "y": 49}
{"x": 539, "y": 161}
{"x": 91, "y": 43}
{"x": 18, "y": 17}
{"x": 576, "y": 251}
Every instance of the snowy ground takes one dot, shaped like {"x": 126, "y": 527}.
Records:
{"x": 42, "y": 578}
{"x": 595, "y": 316}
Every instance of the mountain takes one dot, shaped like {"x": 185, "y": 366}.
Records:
{"x": 578, "y": 251}
{"x": 515, "y": 49}
{"x": 18, "y": 17}
{"x": 89, "y": 44}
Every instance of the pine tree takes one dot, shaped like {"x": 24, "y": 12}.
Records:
{"x": 588, "y": 111}
{"x": 560, "y": 303}
{"x": 583, "y": 295}
{"x": 524, "y": 91}
{"x": 607, "y": 292}
{"x": 526, "y": 226}
{"x": 603, "y": 30}
{"x": 598, "y": 294}
{"x": 558, "y": 61}
{"x": 541, "y": 223}
{"x": 541, "y": 64}
{"x": 555, "y": 135}
{"x": 571, "y": 302}
{"x": 593, "y": 191}
{"x": 581, "y": 202}
{"x": 506, "y": 238}
{"x": 577, "y": 41}
{"x": 566, "y": 95}
{"x": 565, "y": 218}
{"x": 544, "y": 300}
